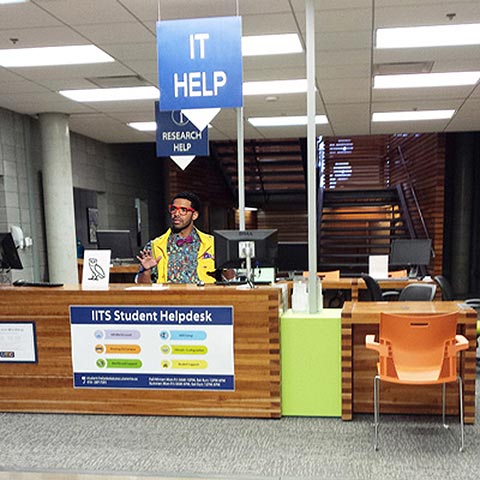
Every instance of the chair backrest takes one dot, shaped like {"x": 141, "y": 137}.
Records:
{"x": 398, "y": 274}
{"x": 419, "y": 348}
{"x": 445, "y": 287}
{"x": 373, "y": 288}
{"x": 419, "y": 292}
{"x": 331, "y": 275}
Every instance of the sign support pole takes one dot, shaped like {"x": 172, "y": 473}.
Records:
{"x": 311, "y": 159}
{"x": 241, "y": 168}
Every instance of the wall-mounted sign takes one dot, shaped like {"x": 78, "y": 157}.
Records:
{"x": 176, "y": 135}
{"x": 200, "y": 63}
{"x": 153, "y": 347}
{"x": 18, "y": 342}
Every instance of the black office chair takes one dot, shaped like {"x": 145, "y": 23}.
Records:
{"x": 418, "y": 292}
{"x": 447, "y": 294}
{"x": 376, "y": 294}
{"x": 445, "y": 287}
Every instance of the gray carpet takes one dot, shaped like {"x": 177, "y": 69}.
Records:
{"x": 414, "y": 447}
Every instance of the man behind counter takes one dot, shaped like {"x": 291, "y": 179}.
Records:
{"x": 183, "y": 254}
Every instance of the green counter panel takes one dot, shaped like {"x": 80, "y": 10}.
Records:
{"x": 311, "y": 363}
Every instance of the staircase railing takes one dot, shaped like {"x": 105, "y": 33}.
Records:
{"x": 414, "y": 194}
{"x": 405, "y": 213}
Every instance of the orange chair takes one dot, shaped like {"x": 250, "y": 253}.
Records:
{"x": 398, "y": 274}
{"x": 331, "y": 275}
{"x": 417, "y": 350}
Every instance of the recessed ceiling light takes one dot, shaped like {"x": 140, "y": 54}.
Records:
{"x": 431, "y": 36}
{"x": 274, "y": 87}
{"x": 143, "y": 126}
{"x": 285, "y": 121}
{"x": 419, "y": 80}
{"x": 112, "y": 94}
{"x": 48, "y": 56}
{"x": 412, "y": 115}
{"x": 147, "y": 126}
{"x": 271, "y": 44}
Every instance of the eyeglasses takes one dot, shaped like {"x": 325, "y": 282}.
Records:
{"x": 173, "y": 209}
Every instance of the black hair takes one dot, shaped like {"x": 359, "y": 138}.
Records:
{"x": 191, "y": 197}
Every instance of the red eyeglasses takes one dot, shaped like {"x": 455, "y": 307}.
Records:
{"x": 173, "y": 209}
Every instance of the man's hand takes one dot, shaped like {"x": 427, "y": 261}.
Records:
{"x": 147, "y": 260}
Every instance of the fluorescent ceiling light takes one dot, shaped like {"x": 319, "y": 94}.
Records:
{"x": 147, "y": 126}
{"x": 2, "y": 2}
{"x": 432, "y": 36}
{"x": 285, "y": 121}
{"x": 48, "y": 56}
{"x": 143, "y": 126}
{"x": 426, "y": 80}
{"x": 271, "y": 44}
{"x": 274, "y": 86}
{"x": 412, "y": 115}
{"x": 112, "y": 94}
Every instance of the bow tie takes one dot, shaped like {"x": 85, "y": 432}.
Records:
{"x": 181, "y": 241}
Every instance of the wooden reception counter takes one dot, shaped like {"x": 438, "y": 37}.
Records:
{"x": 47, "y": 386}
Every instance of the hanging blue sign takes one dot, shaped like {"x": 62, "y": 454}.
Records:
{"x": 176, "y": 135}
{"x": 200, "y": 63}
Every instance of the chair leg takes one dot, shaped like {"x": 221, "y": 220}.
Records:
{"x": 444, "y": 395}
{"x": 460, "y": 404}
{"x": 460, "y": 394}
{"x": 376, "y": 409}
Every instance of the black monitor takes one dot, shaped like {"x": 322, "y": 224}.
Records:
{"x": 292, "y": 256}
{"x": 411, "y": 252}
{"x": 229, "y": 243}
{"x": 118, "y": 241}
{"x": 8, "y": 253}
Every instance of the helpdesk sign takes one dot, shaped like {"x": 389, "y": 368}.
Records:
{"x": 153, "y": 347}
{"x": 200, "y": 63}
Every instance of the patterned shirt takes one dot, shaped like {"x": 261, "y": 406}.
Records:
{"x": 183, "y": 259}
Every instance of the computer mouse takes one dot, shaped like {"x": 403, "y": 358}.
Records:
{"x": 18, "y": 283}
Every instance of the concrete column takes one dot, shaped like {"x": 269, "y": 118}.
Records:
{"x": 462, "y": 218}
{"x": 58, "y": 198}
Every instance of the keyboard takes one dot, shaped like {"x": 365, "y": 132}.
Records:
{"x": 23, "y": 283}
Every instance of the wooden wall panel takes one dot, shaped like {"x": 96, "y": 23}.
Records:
{"x": 355, "y": 162}
{"x": 290, "y": 220}
{"x": 424, "y": 156}
{"x": 204, "y": 177}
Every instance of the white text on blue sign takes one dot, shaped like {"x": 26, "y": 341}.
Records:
{"x": 200, "y": 63}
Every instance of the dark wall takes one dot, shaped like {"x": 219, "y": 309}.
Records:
{"x": 461, "y": 263}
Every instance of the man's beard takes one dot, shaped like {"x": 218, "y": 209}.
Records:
{"x": 179, "y": 229}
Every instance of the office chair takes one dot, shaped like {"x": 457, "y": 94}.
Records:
{"x": 417, "y": 350}
{"x": 338, "y": 299}
{"x": 418, "y": 292}
{"x": 398, "y": 274}
{"x": 376, "y": 294}
{"x": 447, "y": 294}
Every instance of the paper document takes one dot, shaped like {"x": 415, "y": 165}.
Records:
{"x": 378, "y": 266}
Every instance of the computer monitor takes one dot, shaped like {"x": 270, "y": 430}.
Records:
{"x": 118, "y": 241}
{"x": 230, "y": 248}
{"x": 292, "y": 256}
{"x": 8, "y": 253}
{"x": 411, "y": 253}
